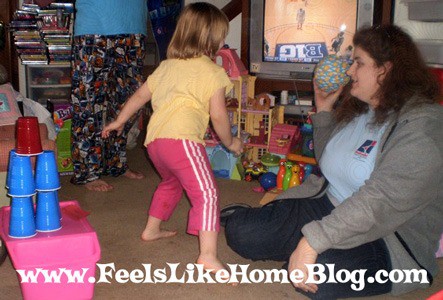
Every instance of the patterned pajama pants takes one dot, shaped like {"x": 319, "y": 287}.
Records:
{"x": 107, "y": 70}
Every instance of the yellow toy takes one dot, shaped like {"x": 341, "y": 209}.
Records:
{"x": 295, "y": 178}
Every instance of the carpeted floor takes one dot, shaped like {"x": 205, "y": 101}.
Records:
{"x": 119, "y": 217}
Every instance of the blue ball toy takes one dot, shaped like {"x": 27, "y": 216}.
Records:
{"x": 268, "y": 181}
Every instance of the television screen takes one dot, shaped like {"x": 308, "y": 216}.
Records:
{"x": 307, "y": 31}
{"x": 289, "y": 37}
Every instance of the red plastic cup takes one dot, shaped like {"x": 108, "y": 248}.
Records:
{"x": 28, "y": 136}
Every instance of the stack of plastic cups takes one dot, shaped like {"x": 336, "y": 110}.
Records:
{"x": 20, "y": 180}
{"x": 21, "y": 189}
{"x": 47, "y": 183}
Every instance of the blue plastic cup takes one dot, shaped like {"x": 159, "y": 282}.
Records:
{"x": 22, "y": 219}
{"x": 47, "y": 216}
{"x": 58, "y": 204}
{"x": 46, "y": 173}
{"x": 12, "y": 153}
{"x": 59, "y": 207}
{"x": 20, "y": 177}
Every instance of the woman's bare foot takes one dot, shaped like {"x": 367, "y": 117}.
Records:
{"x": 133, "y": 174}
{"x": 148, "y": 235}
{"x": 99, "y": 186}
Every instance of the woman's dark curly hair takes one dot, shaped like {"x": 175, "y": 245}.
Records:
{"x": 408, "y": 76}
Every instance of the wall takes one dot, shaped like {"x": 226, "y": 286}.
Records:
{"x": 234, "y": 36}
{"x": 430, "y": 33}
{"x": 418, "y": 30}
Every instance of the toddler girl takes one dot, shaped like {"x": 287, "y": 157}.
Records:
{"x": 186, "y": 90}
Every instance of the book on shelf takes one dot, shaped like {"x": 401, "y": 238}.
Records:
{"x": 58, "y": 36}
{"x": 26, "y": 33}
{"x": 25, "y": 14}
{"x": 30, "y": 6}
{"x": 61, "y": 62}
{"x": 47, "y": 12}
{"x": 67, "y": 7}
{"x": 59, "y": 47}
{"x": 53, "y": 31}
{"x": 35, "y": 51}
{"x": 34, "y": 61}
{"x": 57, "y": 44}
{"x": 19, "y": 40}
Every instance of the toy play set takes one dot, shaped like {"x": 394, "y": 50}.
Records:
{"x": 259, "y": 122}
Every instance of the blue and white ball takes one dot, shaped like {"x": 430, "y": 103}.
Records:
{"x": 330, "y": 73}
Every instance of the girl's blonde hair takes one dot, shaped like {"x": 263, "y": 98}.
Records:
{"x": 201, "y": 28}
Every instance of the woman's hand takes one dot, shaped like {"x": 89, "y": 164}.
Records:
{"x": 302, "y": 255}
{"x": 325, "y": 101}
{"x": 115, "y": 125}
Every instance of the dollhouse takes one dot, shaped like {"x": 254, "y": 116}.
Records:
{"x": 252, "y": 117}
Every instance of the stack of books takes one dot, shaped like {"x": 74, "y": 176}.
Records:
{"x": 56, "y": 34}
{"x": 25, "y": 28}
{"x": 44, "y": 35}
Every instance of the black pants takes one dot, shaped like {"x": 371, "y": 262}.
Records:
{"x": 273, "y": 231}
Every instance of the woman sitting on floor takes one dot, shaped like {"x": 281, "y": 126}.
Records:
{"x": 379, "y": 205}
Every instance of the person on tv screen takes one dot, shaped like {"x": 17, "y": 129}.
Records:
{"x": 378, "y": 206}
{"x": 301, "y": 14}
{"x": 337, "y": 42}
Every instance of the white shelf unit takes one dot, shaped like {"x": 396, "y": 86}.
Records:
{"x": 48, "y": 82}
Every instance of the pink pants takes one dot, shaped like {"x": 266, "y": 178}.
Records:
{"x": 183, "y": 164}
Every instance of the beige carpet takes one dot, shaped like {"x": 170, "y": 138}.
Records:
{"x": 119, "y": 217}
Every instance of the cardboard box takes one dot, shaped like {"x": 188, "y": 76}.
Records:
{"x": 59, "y": 108}
{"x": 74, "y": 247}
{"x": 63, "y": 142}
{"x": 61, "y": 113}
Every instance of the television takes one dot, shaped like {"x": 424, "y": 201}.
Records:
{"x": 289, "y": 37}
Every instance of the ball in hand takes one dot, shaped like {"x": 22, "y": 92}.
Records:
{"x": 330, "y": 73}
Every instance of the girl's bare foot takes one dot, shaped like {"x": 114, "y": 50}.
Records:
{"x": 213, "y": 265}
{"x": 99, "y": 186}
{"x": 148, "y": 235}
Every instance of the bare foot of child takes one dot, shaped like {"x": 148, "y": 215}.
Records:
{"x": 210, "y": 263}
{"x": 148, "y": 235}
{"x": 99, "y": 186}
{"x": 213, "y": 265}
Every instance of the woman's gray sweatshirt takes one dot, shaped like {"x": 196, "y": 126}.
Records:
{"x": 402, "y": 199}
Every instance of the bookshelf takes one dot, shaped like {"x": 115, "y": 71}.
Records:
{"x": 43, "y": 35}
{"x": 43, "y": 41}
